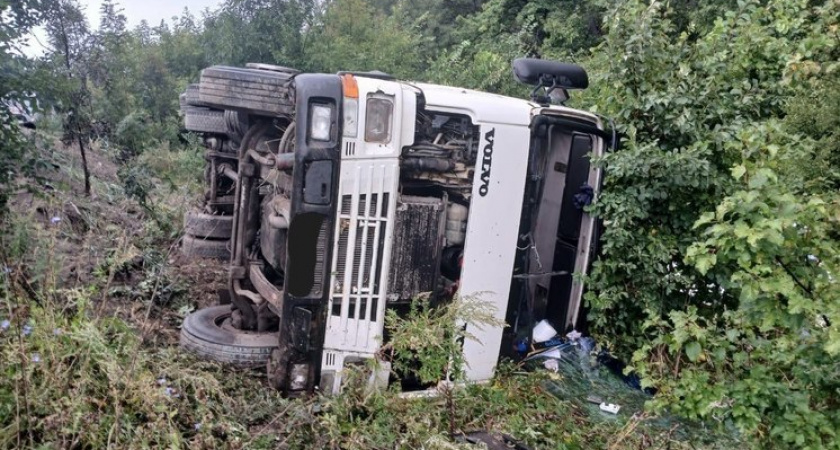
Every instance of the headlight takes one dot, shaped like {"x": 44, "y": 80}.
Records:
{"x": 378, "y": 118}
{"x": 351, "y": 117}
{"x": 320, "y": 123}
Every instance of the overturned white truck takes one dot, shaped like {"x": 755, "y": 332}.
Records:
{"x": 353, "y": 193}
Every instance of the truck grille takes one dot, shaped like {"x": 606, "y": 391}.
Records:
{"x": 320, "y": 259}
{"x": 356, "y": 282}
{"x": 365, "y": 257}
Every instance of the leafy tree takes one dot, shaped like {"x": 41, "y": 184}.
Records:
{"x": 183, "y": 48}
{"x": 266, "y": 31}
{"x": 508, "y": 29}
{"x": 107, "y": 65}
{"x": 352, "y": 35}
{"x": 720, "y": 249}
{"x": 16, "y": 19}
{"x": 70, "y": 39}
{"x": 436, "y": 20}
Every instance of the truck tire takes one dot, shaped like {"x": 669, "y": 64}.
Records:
{"x": 237, "y": 124}
{"x": 209, "y": 334}
{"x": 254, "y": 91}
{"x": 271, "y": 67}
{"x": 205, "y": 248}
{"x": 204, "y": 120}
{"x": 207, "y": 225}
{"x": 191, "y": 95}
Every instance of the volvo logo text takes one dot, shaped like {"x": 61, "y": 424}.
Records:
{"x": 486, "y": 161}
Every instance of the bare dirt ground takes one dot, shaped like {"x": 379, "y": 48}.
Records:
{"x": 108, "y": 243}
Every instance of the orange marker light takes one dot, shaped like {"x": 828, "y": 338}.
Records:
{"x": 351, "y": 88}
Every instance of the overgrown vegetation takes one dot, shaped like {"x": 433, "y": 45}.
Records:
{"x": 91, "y": 304}
{"x": 720, "y": 255}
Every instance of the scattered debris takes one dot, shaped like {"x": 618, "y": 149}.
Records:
{"x": 492, "y": 441}
{"x": 609, "y": 407}
{"x": 577, "y": 369}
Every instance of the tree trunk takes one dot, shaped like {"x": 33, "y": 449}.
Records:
{"x": 84, "y": 163}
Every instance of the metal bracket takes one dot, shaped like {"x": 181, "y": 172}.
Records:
{"x": 247, "y": 170}
{"x": 237, "y": 272}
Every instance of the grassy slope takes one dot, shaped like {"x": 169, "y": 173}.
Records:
{"x": 89, "y": 359}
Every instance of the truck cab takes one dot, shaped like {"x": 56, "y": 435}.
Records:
{"x": 368, "y": 192}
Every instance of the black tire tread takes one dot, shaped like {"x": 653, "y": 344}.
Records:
{"x": 204, "y": 120}
{"x": 255, "y": 91}
{"x": 207, "y": 225}
{"x": 200, "y": 336}
{"x": 191, "y": 95}
{"x": 205, "y": 248}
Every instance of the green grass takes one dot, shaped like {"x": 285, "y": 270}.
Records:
{"x": 89, "y": 372}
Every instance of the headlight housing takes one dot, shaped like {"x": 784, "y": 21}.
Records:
{"x": 379, "y": 117}
{"x": 320, "y": 122}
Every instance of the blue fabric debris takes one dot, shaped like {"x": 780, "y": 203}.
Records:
{"x": 584, "y": 197}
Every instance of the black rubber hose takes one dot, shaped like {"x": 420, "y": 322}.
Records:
{"x": 428, "y": 164}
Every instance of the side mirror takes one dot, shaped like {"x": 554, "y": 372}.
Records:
{"x": 555, "y": 77}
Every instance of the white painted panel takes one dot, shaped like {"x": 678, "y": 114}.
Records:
{"x": 402, "y": 125}
{"x": 492, "y": 232}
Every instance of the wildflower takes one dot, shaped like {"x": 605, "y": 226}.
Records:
{"x": 5, "y": 324}
{"x": 36, "y": 358}
{"x": 27, "y": 330}
{"x": 197, "y": 426}
{"x": 57, "y": 331}
{"x": 55, "y": 219}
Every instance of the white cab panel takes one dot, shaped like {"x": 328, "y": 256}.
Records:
{"x": 492, "y": 232}
{"x": 402, "y": 125}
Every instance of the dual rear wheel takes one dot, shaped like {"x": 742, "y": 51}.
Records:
{"x": 224, "y": 105}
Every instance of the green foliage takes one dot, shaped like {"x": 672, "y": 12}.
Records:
{"x": 509, "y": 29}
{"x": 720, "y": 251}
{"x": 265, "y": 31}
{"x": 352, "y": 35}
{"x": 721, "y": 237}
{"x": 427, "y": 342}
{"x": 16, "y": 18}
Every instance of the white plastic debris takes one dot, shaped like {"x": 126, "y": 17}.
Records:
{"x": 573, "y": 335}
{"x": 552, "y": 365}
{"x": 553, "y": 353}
{"x": 543, "y": 331}
{"x": 609, "y": 407}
